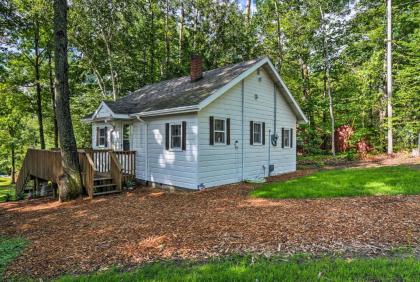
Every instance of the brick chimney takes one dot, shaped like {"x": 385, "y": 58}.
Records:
{"x": 196, "y": 68}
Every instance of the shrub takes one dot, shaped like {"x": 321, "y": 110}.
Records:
{"x": 20, "y": 196}
{"x": 351, "y": 155}
{"x": 8, "y": 197}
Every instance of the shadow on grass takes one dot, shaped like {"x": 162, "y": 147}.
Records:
{"x": 10, "y": 248}
{"x": 248, "y": 268}
{"x": 376, "y": 181}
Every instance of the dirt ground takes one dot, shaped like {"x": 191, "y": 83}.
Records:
{"x": 149, "y": 224}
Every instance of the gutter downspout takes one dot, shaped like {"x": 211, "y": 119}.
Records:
{"x": 275, "y": 111}
{"x": 242, "y": 125}
{"x": 146, "y": 147}
{"x": 269, "y": 154}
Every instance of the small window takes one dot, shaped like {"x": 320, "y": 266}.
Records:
{"x": 219, "y": 131}
{"x": 257, "y": 133}
{"x": 102, "y": 137}
{"x": 176, "y": 136}
{"x": 286, "y": 138}
{"x": 126, "y": 137}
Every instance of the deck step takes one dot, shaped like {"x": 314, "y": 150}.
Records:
{"x": 104, "y": 185}
{"x": 106, "y": 192}
{"x": 102, "y": 178}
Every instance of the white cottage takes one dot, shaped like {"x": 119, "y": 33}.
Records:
{"x": 211, "y": 128}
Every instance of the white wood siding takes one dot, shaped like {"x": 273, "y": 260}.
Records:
{"x": 114, "y": 134}
{"x": 214, "y": 165}
{"x": 223, "y": 164}
{"x": 169, "y": 167}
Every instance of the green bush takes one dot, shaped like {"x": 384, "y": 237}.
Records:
{"x": 351, "y": 155}
{"x": 8, "y": 197}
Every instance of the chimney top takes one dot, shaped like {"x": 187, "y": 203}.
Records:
{"x": 196, "y": 68}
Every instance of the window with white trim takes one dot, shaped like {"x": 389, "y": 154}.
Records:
{"x": 257, "y": 133}
{"x": 286, "y": 138}
{"x": 219, "y": 131}
{"x": 176, "y": 136}
{"x": 102, "y": 137}
{"x": 126, "y": 137}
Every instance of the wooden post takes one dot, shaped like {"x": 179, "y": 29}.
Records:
{"x": 36, "y": 186}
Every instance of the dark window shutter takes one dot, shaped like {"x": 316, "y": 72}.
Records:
{"x": 184, "y": 135}
{"x": 167, "y": 136}
{"x": 106, "y": 137}
{"x": 211, "y": 130}
{"x": 228, "y": 131}
{"x": 251, "y": 132}
{"x": 263, "y": 133}
{"x": 282, "y": 137}
{"x": 97, "y": 136}
{"x": 291, "y": 138}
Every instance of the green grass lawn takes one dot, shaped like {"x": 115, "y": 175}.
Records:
{"x": 6, "y": 188}
{"x": 267, "y": 269}
{"x": 10, "y": 248}
{"x": 346, "y": 182}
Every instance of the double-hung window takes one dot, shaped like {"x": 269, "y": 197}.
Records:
{"x": 257, "y": 133}
{"x": 219, "y": 131}
{"x": 102, "y": 137}
{"x": 176, "y": 136}
{"x": 286, "y": 138}
{"x": 126, "y": 137}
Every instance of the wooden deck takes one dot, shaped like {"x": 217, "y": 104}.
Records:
{"x": 103, "y": 171}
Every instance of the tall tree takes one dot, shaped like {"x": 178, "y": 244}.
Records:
{"x": 70, "y": 184}
{"x": 389, "y": 73}
{"x": 37, "y": 63}
{"x": 52, "y": 92}
{"x": 327, "y": 80}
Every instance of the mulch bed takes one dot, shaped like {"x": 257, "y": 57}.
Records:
{"x": 369, "y": 161}
{"x": 149, "y": 224}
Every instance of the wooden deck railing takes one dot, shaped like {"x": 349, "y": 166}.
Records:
{"x": 47, "y": 165}
{"x": 102, "y": 160}
{"x": 116, "y": 170}
{"x": 128, "y": 161}
{"x": 88, "y": 170}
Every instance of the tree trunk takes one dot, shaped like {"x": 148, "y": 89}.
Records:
{"x": 53, "y": 99}
{"x": 12, "y": 149}
{"x": 327, "y": 78}
{"x": 306, "y": 92}
{"x": 324, "y": 115}
{"x": 389, "y": 75}
{"x": 279, "y": 47}
{"x": 331, "y": 108}
{"x": 70, "y": 184}
{"x": 152, "y": 42}
{"x": 248, "y": 11}
{"x": 181, "y": 35}
{"x": 167, "y": 42}
{"x": 111, "y": 65}
{"x": 38, "y": 87}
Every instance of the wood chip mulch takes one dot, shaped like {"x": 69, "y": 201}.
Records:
{"x": 149, "y": 224}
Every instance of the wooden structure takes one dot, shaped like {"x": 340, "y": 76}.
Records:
{"x": 103, "y": 171}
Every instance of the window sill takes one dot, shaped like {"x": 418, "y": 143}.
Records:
{"x": 257, "y": 144}
{"x": 219, "y": 144}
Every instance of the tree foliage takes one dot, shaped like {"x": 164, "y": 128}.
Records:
{"x": 119, "y": 46}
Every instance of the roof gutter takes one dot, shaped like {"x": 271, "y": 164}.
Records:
{"x": 111, "y": 117}
{"x": 178, "y": 110}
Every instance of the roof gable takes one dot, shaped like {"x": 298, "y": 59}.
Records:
{"x": 181, "y": 95}
{"x": 276, "y": 78}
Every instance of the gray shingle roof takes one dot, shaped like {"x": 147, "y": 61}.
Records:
{"x": 178, "y": 92}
